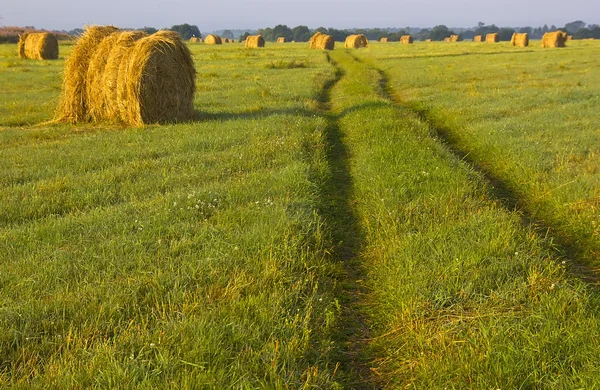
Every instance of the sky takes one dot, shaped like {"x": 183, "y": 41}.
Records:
{"x": 341, "y": 14}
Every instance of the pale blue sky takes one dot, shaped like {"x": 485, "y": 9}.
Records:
{"x": 234, "y": 14}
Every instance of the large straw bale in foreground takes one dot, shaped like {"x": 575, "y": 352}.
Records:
{"x": 478, "y": 38}
{"x": 554, "y": 39}
{"x": 321, "y": 41}
{"x": 356, "y": 41}
{"x": 492, "y": 38}
{"x": 406, "y": 39}
{"x": 73, "y": 103}
{"x": 520, "y": 40}
{"x": 115, "y": 63}
{"x": 130, "y": 76}
{"x": 212, "y": 39}
{"x": 38, "y": 46}
{"x": 253, "y": 41}
{"x": 159, "y": 79}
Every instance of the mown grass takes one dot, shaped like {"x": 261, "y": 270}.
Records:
{"x": 461, "y": 294}
{"x": 525, "y": 115}
{"x": 308, "y": 230}
{"x": 183, "y": 256}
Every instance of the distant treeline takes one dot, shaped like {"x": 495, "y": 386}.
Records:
{"x": 578, "y": 29}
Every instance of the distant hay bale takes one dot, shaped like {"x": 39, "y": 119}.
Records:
{"x": 406, "y": 39}
{"x": 321, "y": 41}
{"x": 569, "y": 37}
{"x": 73, "y": 103}
{"x": 38, "y": 46}
{"x": 478, "y": 38}
{"x": 115, "y": 63}
{"x": 554, "y": 39}
{"x": 447, "y": 39}
{"x": 254, "y": 41}
{"x": 281, "y": 40}
{"x": 428, "y": 40}
{"x": 153, "y": 76}
{"x": 195, "y": 40}
{"x": 520, "y": 40}
{"x": 356, "y": 41}
{"x": 492, "y": 38}
{"x": 212, "y": 39}
{"x": 454, "y": 38}
{"x": 383, "y": 40}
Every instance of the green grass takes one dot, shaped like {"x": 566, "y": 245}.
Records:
{"x": 317, "y": 226}
{"x": 461, "y": 294}
{"x": 186, "y": 255}
{"x": 525, "y": 115}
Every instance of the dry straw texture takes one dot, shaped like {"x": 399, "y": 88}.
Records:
{"x": 428, "y": 40}
{"x": 38, "y": 46}
{"x": 520, "y": 40}
{"x": 447, "y": 39}
{"x": 384, "y": 39}
{"x": 454, "y": 38}
{"x": 114, "y": 65}
{"x": 212, "y": 39}
{"x": 130, "y": 76}
{"x": 159, "y": 77}
{"x": 195, "y": 40}
{"x": 321, "y": 41}
{"x": 356, "y": 41}
{"x": 281, "y": 40}
{"x": 492, "y": 38}
{"x": 253, "y": 41}
{"x": 554, "y": 39}
{"x": 569, "y": 37}
{"x": 478, "y": 38}
{"x": 406, "y": 39}
{"x": 73, "y": 103}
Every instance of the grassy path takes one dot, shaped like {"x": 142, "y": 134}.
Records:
{"x": 461, "y": 293}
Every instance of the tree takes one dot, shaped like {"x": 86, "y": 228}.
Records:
{"x": 148, "y": 30}
{"x": 575, "y": 26}
{"x": 301, "y": 34}
{"x": 244, "y": 36}
{"x": 505, "y": 33}
{"x": 227, "y": 34}
{"x": 281, "y": 30}
{"x": 438, "y": 33}
{"x": 186, "y": 31}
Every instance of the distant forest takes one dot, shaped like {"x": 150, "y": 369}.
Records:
{"x": 578, "y": 29}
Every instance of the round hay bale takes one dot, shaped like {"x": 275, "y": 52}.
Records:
{"x": 73, "y": 105}
{"x": 356, "y": 41}
{"x": 321, "y": 41}
{"x": 38, "y": 46}
{"x": 554, "y": 39}
{"x": 95, "y": 81}
{"x": 492, "y": 38}
{"x": 253, "y": 41}
{"x": 212, "y": 39}
{"x": 383, "y": 40}
{"x": 159, "y": 78}
{"x": 195, "y": 40}
{"x": 520, "y": 39}
{"x": 454, "y": 38}
{"x": 119, "y": 51}
{"x": 478, "y": 38}
{"x": 281, "y": 40}
{"x": 406, "y": 39}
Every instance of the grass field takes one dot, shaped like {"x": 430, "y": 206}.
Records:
{"x": 402, "y": 216}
